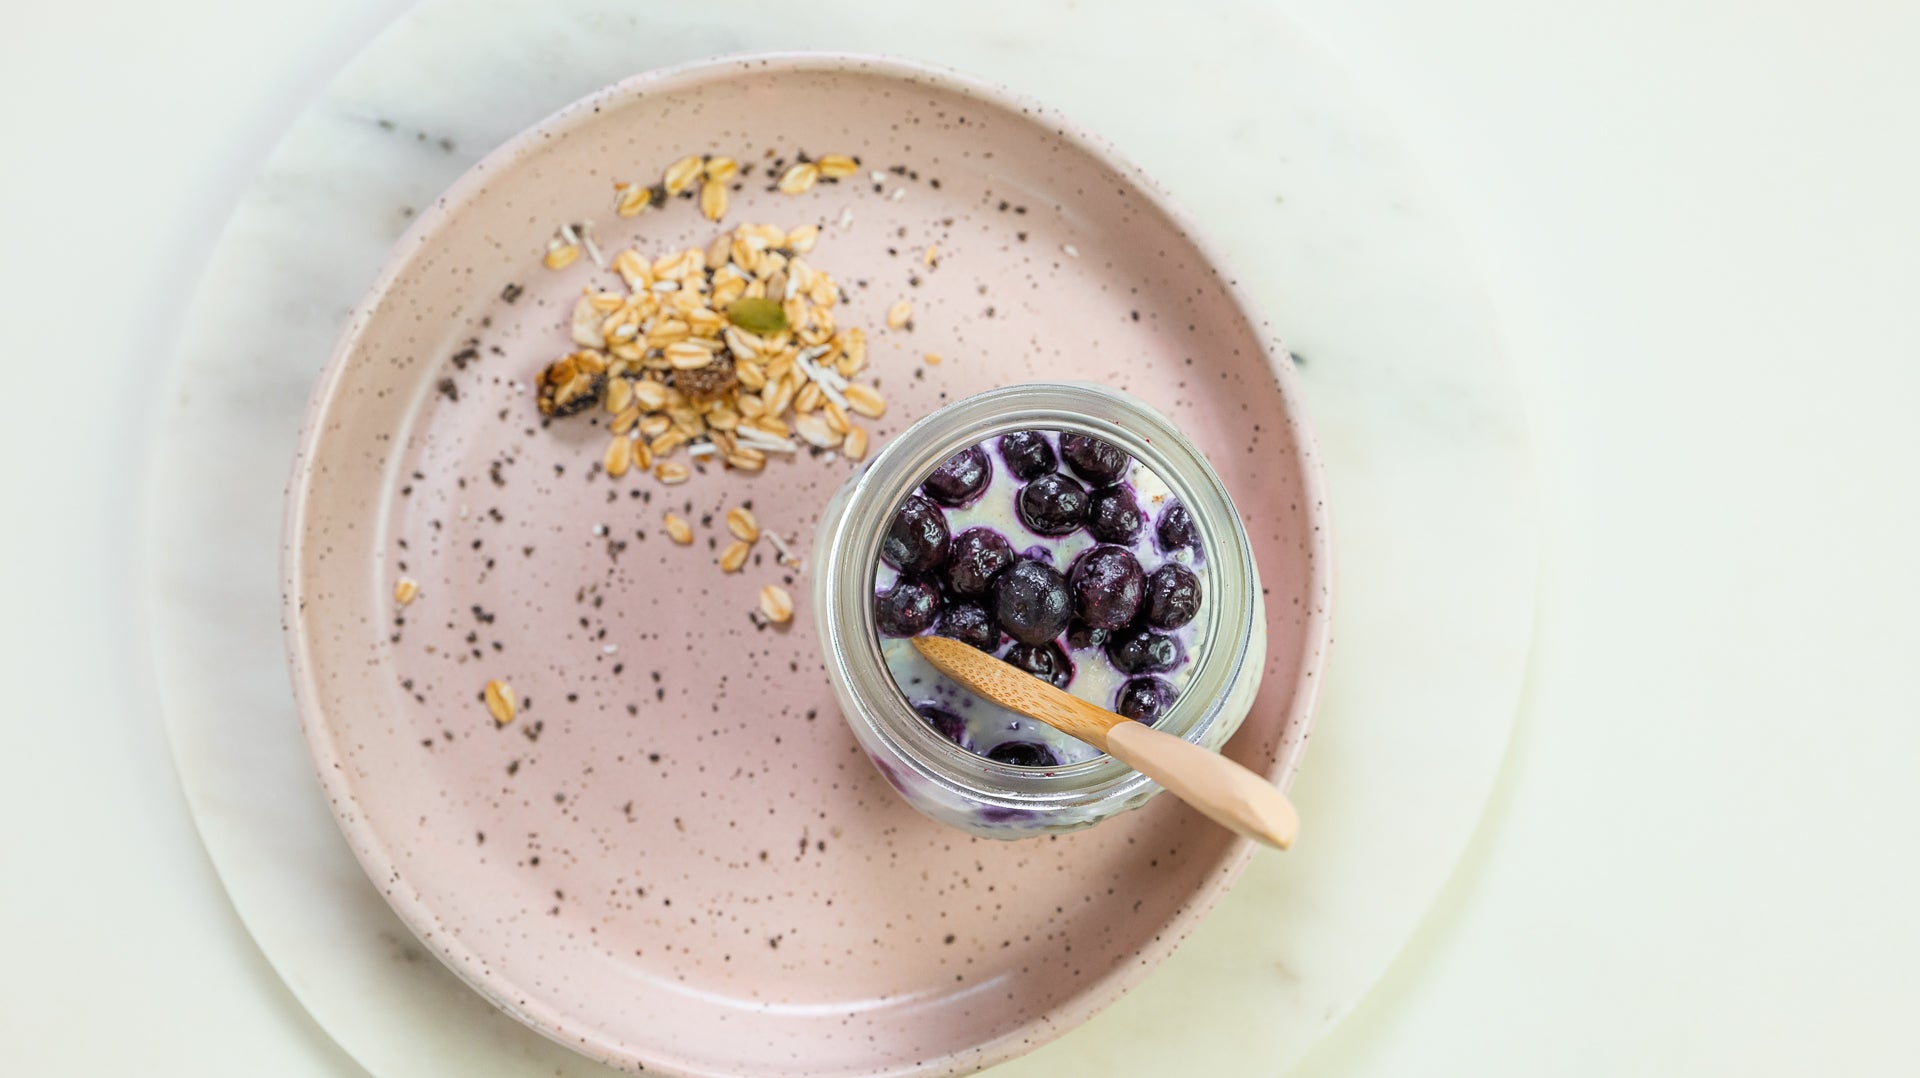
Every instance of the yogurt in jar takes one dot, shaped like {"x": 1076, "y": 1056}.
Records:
{"x": 1060, "y": 554}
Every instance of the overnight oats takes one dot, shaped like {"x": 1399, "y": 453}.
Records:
{"x": 1071, "y": 531}
{"x": 1059, "y": 554}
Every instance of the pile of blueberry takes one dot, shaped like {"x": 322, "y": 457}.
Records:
{"x": 976, "y": 588}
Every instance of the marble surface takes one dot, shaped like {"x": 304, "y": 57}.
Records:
{"x": 1313, "y": 198}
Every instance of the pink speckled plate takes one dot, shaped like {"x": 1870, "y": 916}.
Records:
{"x": 676, "y": 858}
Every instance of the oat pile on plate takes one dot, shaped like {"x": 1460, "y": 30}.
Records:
{"x": 730, "y": 352}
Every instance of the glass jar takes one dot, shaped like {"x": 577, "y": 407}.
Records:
{"x": 944, "y": 780}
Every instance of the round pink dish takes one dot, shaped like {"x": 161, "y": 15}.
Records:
{"x": 675, "y": 857}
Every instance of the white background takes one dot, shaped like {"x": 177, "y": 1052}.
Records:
{"x": 1703, "y": 227}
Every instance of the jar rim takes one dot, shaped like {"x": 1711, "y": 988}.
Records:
{"x": 852, "y": 556}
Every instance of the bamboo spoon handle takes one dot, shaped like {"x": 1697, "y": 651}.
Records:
{"x": 1225, "y": 792}
{"x": 1228, "y": 794}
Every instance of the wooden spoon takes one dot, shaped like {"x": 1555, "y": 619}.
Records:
{"x": 1227, "y": 793}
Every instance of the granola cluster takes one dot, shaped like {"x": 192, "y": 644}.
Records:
{"x": 731, "y": 352}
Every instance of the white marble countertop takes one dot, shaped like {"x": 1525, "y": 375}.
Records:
{"x": 1701, "y": 230}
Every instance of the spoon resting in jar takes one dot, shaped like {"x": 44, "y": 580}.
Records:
{"x": 1224, "y": 791}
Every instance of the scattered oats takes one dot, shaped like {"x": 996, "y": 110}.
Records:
{"x": 619, "y": 455}
{"x": 561, "y": 255}
{"x": 765, "y": 236}
{"x": 755, "y": 438}
{"x": 631, "y": 199}
{"x": 650, "y": 395}
{"x": 635, "y": 272}
{"x": 664, "y": 443}
{"x": 776, "y": 604}
{"x": 838, "y": 166}
{"x": 932, "y": 255}
{"x": 853, "y": 344}
{"x": 800, "y": 178}
{"x": 900, "y": 314}
{"x": 802, "y": 239}
{"x": 585, "y": 323}
{"x": 405, "y": 589}
{"x": 933, "y": 359}
{"x": 836, "y": 418}
{"x": 703, "y": 450}
{"x": 671, "y": 473}
{"x": 619, "y": 395}
{"x": 735, "y": 556}
{"x": 815, "y": 429}
{"x": 778, "y": 396}
{"x": 1072, "y": 251}
{"x": 678, "y": 529}
{"x": 741, "y": 523}
{"x": 687, "y": 356}
{"x": 681, "y": 174}
{"x": 867, "y": 401}
{"x": 502, "y": 704}
{"x": 722, "y": 169}
{"x": 846, "y": 218}
{"x": 829, "y": 382}
{"x": 855, "y": 445}
{"x": 747, "y": 460}
{"x": 713, "y": 199}
{"x": 768, "y": 424}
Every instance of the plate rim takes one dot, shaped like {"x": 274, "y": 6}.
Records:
{"x": 374, "y": 858}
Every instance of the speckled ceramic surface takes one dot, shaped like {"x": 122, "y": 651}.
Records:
{"x": 675, "y": 856}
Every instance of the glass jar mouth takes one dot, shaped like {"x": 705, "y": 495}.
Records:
{"x": 852, "y": 553}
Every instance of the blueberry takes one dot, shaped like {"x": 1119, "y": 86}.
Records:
{"x": 1177, "y": 530}
{"x": 917, "y": 538}
{"x": 969, "y": 623}
{"x": 1046, "y": 662}
{"x": 1024, "y": 754}
{"x": 945, "y": 723}
{"x": 1114, "y": 516}
{"x": 1053, "y": 505}
{"x": 961, "y": 479}
{"x": 1081, "y": 636}
{"x": 1144, "y": 699}
{"x": 908, "y": 610}
{"x": 1138, "y": 651}
{"x": 1028, "y": 454}
{"x": 975, "y": 557}
{"x": 1031, "y": 602}
{"x": 1173, "y": 596}
{"x": 1093, "y": 460}
{"x": 1107, "y": 585}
